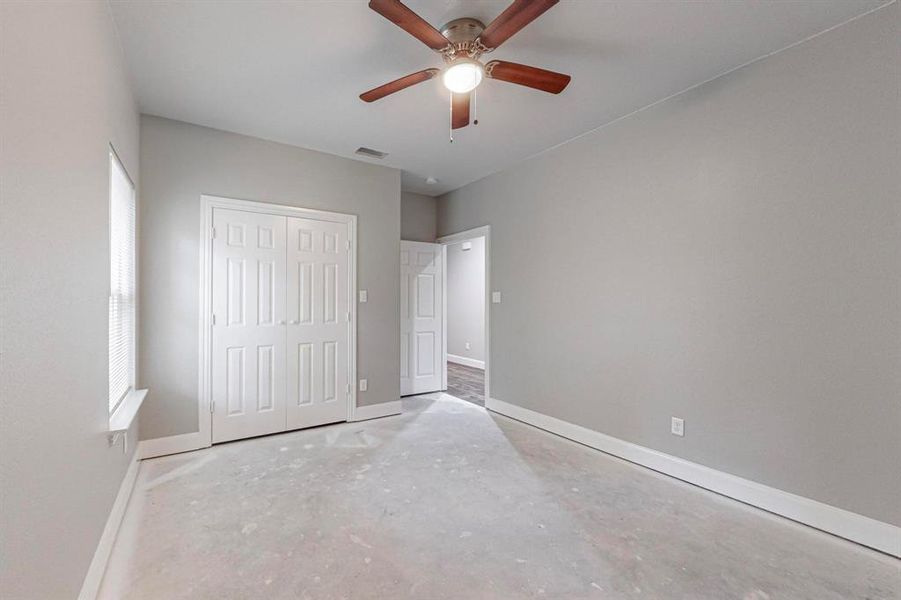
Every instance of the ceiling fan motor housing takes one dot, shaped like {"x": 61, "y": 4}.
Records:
{"x": 462, "y": 30}
{"x": 463, "y": 36}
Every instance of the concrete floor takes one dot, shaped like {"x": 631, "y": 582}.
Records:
{"x": 450, "y": 501}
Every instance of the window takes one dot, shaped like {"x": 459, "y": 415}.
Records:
{"x": 122, "y": 284}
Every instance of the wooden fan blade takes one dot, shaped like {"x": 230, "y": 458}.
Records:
{"x": 460, "y": 110}
{"x": 398, "y": 85}
{"x": 399, "y": 14}
{"x": 533, "y": 77}
{"x": 518, "y": 15}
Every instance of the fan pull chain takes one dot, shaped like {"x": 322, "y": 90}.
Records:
{"x": 475, "y": 114}
{"x": 450, "y": 120}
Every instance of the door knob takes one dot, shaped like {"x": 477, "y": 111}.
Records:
{"x": 293, "y": 322}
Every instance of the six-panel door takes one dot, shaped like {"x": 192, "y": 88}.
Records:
{"x": 248, "y": 370}
{"x": 318, "y": 322}
{"x": 281, "y": 323}
{"x": 421, "y": 318}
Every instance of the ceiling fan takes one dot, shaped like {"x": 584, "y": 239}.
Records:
{"x": 462, "y": 42}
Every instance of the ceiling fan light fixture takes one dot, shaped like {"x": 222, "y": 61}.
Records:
{"x": 461, "y": 43}
{"x": 463, "y": 75}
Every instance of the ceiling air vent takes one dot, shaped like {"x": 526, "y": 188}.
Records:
{"x": 363, "y": 151}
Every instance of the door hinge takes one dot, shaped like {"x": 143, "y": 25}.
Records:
{"x": 348, "y": 317}
{"x": 348, "y": 389}
{"x": 212, "y": 407}
{"x": 213, "y": 232}
{"x": 213, "y": 319}
{"x": 347, "y": 244}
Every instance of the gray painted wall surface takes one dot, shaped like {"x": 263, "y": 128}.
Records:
{"x": 418, "y": 217}
{"x": 466, "y": 299}
{"x": 731, "y": 256}
{"x": 179, "y": 162}
{"x": 65, "y": 100}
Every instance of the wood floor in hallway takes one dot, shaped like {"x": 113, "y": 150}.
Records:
{"x": 466, "y": 383}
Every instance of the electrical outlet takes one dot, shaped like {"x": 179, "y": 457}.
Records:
{"x": 468, "y": 346}
{"x": 364, "y": 296}
{"x": 678, "y": 427}
{"x": 364, "y": 385}
{"x": 495, "y": 297}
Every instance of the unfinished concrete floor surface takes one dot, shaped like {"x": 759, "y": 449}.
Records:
{"x": 451, "y": 501}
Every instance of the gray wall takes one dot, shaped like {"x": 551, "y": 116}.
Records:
{"x": 179, "y": 162}
{"x": 731, "y": 256}
{"x": 418, "y": 217}
{"x": 466, "y": 299}
{"x": 65, "y": 100}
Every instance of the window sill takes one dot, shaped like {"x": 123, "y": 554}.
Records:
{"x": 125, "y": 414}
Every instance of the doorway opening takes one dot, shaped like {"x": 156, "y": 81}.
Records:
{"x": 444, "y": 325}
{"x": 466, "y": 314}
{"x": 466, "y": 320}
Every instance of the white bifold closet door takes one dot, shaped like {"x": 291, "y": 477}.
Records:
{"x": 248, "y": 370}
{"x": 318, "y": 322}
{"x": 280, "y": 342}
{"x": 422, "y": 363}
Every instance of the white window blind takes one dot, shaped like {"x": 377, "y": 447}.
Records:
{"x": 122, "y": 284}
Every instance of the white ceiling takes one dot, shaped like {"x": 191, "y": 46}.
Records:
{"x": 292, "y": 71}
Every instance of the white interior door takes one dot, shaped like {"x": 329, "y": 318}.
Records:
{"x": 422, "y": 318}
{"x": 248, "y": 337}
{"x": 318, "y": 322}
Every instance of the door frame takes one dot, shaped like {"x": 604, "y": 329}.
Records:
{"x": 207, "y": 205}
{"x": 454, "y": 238}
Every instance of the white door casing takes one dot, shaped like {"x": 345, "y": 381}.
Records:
{"x": 248, "y": 333}
{"x": 319, "y": 321}
{"x": 422, "y": 318}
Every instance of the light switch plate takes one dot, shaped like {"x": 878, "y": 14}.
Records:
{"x": 678, "y": 427}
{"x": 364, "y": 296}
{"x": 364, "y": 385}
{"x": 495, "y": 297}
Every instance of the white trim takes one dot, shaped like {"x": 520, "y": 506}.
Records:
{"x": 204, "y": 416}
{"x": 469, "y": 362}
{"x": 376, "y": 411}
{"x": 851, "y": 526}
{"x": 172, "y": 444}
{"x": 91, "y": 585}
{"x": 461, "y": 236}
{"x": 125, "y": 413}
{"x": 444, "y": 332}
{"x": 207, "y": 204}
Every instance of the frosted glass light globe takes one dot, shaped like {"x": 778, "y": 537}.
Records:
{"x": 463, "y": 76}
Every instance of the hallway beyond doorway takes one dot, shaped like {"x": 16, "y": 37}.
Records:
{"x": 466, "y": 383}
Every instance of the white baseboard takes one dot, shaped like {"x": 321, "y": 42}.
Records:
{"x": 884, "y": 537}
{"x": 172, "y": 444}
{"x": 91, "y": 585}
{"x": 467, "y": 362}
{"x": 375, "y": 411}
{"x": 186, "y": 442}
